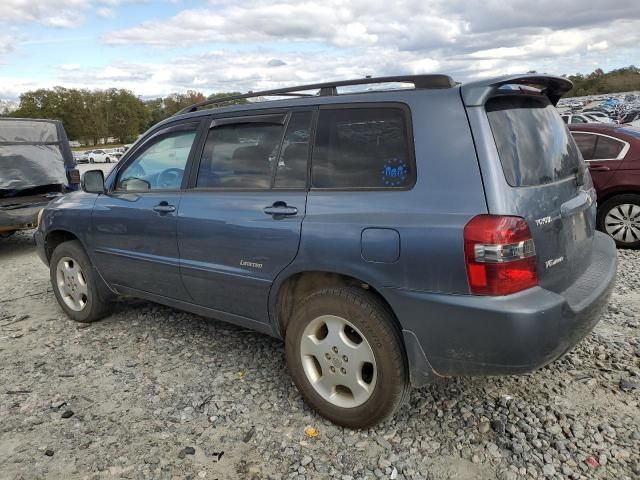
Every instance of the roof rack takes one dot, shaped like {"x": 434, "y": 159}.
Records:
{"x": 331, "y": 88}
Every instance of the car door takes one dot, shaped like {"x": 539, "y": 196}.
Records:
{"x": 604, "y": 155}
{"x": 239, "y": 225}
{"x": 134, "y": 224}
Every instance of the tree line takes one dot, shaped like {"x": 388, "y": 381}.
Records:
{"x": 92, "y": 116}
{"x": 598, "y": 82}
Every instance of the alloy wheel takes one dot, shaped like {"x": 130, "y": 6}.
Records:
{"x": 622, "y": 222}
{"x": 338, "y": 361}
{"x": 72, "y": 284}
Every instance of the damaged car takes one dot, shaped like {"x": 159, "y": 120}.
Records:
{"x": 36, "y": 165}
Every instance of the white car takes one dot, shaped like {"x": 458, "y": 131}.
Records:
{"x": 578, "y": 118}
{"x": 101, "y": 156}
{"x": 599, "y": 116}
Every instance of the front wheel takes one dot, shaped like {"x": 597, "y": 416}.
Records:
{"x": 346, "y": 356}
{"x": 72, "y": 279}
{"x": 619, "y": 217}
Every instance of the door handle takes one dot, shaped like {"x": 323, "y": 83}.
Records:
{"x": 164, "y": 207}
{"x": 599, "y": 168}
{"x": 280, "y": 209}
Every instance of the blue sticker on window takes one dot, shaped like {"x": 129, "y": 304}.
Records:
{"x": 394, "y": 173}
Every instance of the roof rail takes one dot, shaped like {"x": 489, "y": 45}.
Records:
{"x": 331, "y": 88}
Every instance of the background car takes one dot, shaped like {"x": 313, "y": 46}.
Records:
{"x": 598, "y": 116}
{"x": 613, "y": 155}
{"x": 101, "y": 156}
{"x": 578, "y": 118}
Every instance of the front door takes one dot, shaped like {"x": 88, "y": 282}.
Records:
{"x": 239, "y": 226}
{"x": 134, "y": 225}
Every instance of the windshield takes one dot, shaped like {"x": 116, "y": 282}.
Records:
{"x": 533, "y": 143}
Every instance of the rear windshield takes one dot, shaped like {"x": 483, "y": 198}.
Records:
{"x": 534, "y": 144}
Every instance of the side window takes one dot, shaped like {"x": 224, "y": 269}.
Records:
{"x": 607, "y": 148}
{"x": 240, "y": 155}
{"x": 160, "y": 166}
{"x": 578, "y": 119}
{"x": 565, "y": 119}
{"x": 362, "y": 148}
{"x": 586, "y": 143}
{"x": 292, "y": 165}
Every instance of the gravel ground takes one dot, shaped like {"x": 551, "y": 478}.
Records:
{"x": 151, "y": 392}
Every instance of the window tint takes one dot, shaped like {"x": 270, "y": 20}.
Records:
{"x": 577, "y": 119}
{"x": 586, "y": 143}
{"x": 534, "y": 145}
{"x": 292, "y": 165}
{"x": 240, "y": 156}
{"x": 160, "y": 166}
{"x": 607, "y": 148}
{"x": 362, "y": 148}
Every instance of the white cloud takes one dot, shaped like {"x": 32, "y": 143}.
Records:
{"x": 54, "y": 13}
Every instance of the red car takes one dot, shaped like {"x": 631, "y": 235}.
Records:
{"x": 613, "y": 155}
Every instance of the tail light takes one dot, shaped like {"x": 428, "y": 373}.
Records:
{"x": 74, "y": 176}
{"x": 500, "y": 255}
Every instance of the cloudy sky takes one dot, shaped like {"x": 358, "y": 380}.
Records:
{"x": 163, "y": 46}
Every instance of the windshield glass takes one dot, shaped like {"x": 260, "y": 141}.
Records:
{"x": 533, "y": 142}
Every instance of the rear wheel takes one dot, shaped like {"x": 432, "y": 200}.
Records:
{"x": 346, "y": 356}
{"x": 72, "y": 279}
{"x": 91, "y": 160}
{"x": 619, "y": 217}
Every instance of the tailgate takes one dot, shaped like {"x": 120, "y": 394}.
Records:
{"x": 546, "y": 183}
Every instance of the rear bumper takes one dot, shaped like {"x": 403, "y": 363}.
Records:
{"x": 21, "y": 217}
{"x": 513, "y": 334}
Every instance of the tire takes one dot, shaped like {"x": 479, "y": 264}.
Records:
{"x": 91, "y": 160}
{"x": 108, "y": 160}
{"x": 381, "y": 387}
{"x": 83, "y": 303}
{"x": 619, "y": 217}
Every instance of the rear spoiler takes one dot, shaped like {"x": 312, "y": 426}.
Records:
{"x": 477, "y": 93}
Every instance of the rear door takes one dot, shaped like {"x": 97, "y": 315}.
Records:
{"x": 604, "y": 155}
{"x": 543, "y": 179}
{"x": 239, "y": 225}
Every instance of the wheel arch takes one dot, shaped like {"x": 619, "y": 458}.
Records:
{"x": 297, "y": 285}
{"x": 56, "y": 237}
{"x": 615, "y": 193}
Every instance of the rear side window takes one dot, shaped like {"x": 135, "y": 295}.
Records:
{"x": 240, "y": 156}
{"x": 598, "y": 147}
{"x": 362, "y": 148}
{"x": 607, "y": 148}
{"x": 586, "y": 143}
{"x": 292, "y": 165}
{"x": 533, "y": 143}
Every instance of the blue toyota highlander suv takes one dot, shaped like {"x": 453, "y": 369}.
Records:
{"x": 388, "y": 236}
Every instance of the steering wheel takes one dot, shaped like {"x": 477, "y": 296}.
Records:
{"x": 171, "y": 177}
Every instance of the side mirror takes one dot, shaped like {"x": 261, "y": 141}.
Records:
{"x": 92, "y": 181}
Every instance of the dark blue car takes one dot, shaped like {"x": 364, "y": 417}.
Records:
{"x": 36, "y": 165}
{"x": 387, "y": 236}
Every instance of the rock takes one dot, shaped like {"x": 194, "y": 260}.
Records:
{"x": 394, "y": 473}
{"x": 627, "y": 385}
{"x": 306, "y": 460}
{"x": 498, "y": 426}
{"x": 67, "y": 414}
{"x": 548, "y": 470}
{"x": 48, "y": 452}
{"x": 484, "y": 427}
{"x": 449, "y": 404}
